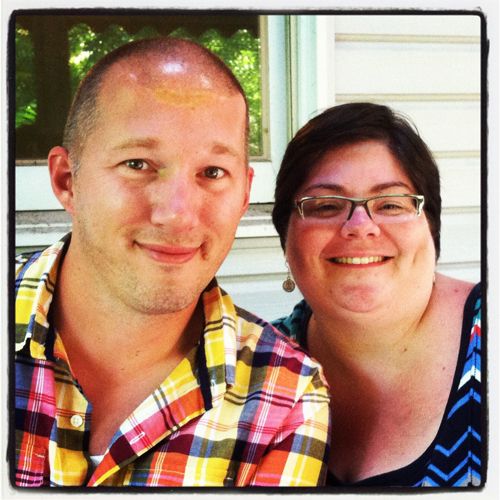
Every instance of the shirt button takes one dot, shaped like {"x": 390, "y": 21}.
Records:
{"x": 76, "y": 420}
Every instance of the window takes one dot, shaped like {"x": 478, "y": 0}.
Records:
{"x": 53, "y": 53}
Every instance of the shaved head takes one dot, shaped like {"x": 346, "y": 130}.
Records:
{"x": 147, "y": 62}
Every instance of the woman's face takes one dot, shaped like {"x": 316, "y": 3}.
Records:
{"x": 358, "y": 265}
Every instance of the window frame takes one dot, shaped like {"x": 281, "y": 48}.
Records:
{"x": 290, "y": 50}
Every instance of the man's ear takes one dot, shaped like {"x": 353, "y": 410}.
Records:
{"x": 61, "y": 176}
{"x": 250, "y": 174}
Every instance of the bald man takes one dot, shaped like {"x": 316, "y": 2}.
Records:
{"x": 133, "y": 368}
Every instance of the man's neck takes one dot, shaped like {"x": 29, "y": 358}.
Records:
{"x": 95, "y": 328}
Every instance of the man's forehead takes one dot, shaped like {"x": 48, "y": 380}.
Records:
{"x": 166, "y": 82}
{"x": 169, "y": 71}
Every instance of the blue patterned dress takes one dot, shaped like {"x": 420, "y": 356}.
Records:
{"x": 456, "y": 456}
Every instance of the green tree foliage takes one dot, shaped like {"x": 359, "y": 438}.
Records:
{"x": 241, "y": 52}
{"x": 87, "y": 47}
{"x": 25, "y": 88}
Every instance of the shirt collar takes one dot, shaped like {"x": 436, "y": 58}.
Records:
{"x": 219, "y": 338}
{"x": 33, "y": 301}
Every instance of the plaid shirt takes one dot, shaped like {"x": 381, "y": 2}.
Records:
{"x": 247, "y": 407}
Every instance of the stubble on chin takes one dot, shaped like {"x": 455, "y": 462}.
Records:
{"x": 120, "y": 283}
{"x": 157, "y": 299}
{"x": 153, "y": 292}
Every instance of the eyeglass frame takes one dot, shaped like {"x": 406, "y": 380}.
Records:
{"x": 356, "y": 202}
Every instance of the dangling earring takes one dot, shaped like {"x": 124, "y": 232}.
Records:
{"x": 288, "y": 284}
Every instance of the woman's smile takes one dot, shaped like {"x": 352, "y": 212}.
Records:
{"x": 357, "y": 261}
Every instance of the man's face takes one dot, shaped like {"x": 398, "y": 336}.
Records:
{"x": 161, "y": 186}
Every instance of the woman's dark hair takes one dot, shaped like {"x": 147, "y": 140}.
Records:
{"x": 348, "y": 124}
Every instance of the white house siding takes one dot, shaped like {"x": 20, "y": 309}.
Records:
{"x": 427, "y": 67}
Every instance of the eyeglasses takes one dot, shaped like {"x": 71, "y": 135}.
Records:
{"x": 388, "y": 208}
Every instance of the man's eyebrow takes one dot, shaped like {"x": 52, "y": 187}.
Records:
{"x": 142, "y": 142}
{"x": 222, "y": 149}
{"x": 337, "y": 188}
{"x": 150, "y": 142}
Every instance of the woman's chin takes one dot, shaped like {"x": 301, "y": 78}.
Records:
{"x": 361, "y": 308}
{"x": 360, "y": 299}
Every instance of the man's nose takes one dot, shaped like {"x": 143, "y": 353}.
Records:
{"x": 359, "y": 224}
{"x": 174, "y": 201}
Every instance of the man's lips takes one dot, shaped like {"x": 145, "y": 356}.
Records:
{"x": 169, "y": 254}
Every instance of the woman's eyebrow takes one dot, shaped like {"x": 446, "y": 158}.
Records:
{"x": 391, "y": 184}
{"x": 337, "y": 188}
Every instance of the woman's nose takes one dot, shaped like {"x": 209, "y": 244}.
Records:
{"x": 359, "y": 224}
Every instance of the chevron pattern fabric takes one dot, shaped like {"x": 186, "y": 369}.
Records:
{"x": 457, "y": 458}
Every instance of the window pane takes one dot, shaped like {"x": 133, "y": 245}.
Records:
{"x": 234, "y": 38}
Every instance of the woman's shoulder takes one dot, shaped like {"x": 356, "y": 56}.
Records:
{"x": 455, "y": 293}
{"x": 458, "y": 285}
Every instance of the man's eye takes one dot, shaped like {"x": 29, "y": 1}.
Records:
{"x": 214, "y": 172}
{"x": 136, "y": 164}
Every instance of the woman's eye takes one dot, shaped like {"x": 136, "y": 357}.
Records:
{"x": 214, "y": 172}
{"x": 136, "y": 164}
{"x": 393, "y": 207}
{"x": 390, "y": 206}
{"x": 328, "y": 207}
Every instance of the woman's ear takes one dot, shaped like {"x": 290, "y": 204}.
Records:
{"x": 61, "y": 176}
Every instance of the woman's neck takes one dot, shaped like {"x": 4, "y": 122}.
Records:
{"x": 388, "y": 342}
{"x": 370, "y": 339}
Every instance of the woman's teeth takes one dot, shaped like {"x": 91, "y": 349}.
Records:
{"x": 358, "y": 260}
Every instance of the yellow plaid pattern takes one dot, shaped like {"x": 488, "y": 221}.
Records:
{"x": 246, "y": 407}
